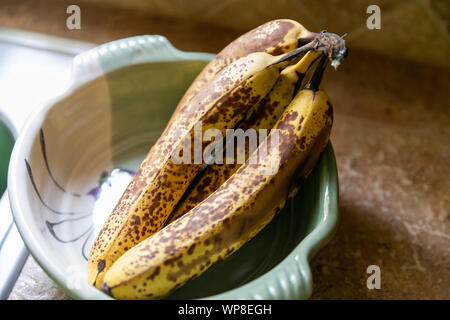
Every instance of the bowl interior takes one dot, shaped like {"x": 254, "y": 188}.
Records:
{"x": 84, "y": 154}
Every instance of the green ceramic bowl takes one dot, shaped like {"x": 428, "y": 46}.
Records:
{"x": 121, "y": 97}
{"x": 6, "y": 147}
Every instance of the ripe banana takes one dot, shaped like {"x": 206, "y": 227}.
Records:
{"x": 159, "y": 183}
{"x": 262, "y": 116}
{"x": 235, "y": 212}
{"x": 274, "y": 37}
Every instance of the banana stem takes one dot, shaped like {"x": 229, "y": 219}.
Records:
{"x": 306, "y": 38}
{"x": 332, "y": 45}
{"x": 316, "y": 78}
{"x": 295, "y": 53}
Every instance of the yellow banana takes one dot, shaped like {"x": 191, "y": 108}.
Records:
{"x": 234, "y": 213}
{"x": 262, "y": 116}
{"x": 160, "y": 181}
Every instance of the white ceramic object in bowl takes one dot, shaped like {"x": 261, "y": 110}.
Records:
{"x": 77, "y": 153}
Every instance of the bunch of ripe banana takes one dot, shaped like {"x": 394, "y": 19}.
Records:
{"x": 175, "y": 220}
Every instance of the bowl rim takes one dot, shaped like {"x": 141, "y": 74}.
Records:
{"x": 154, "y": 48}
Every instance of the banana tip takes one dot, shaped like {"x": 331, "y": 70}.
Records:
{"x": 106, "y": 289}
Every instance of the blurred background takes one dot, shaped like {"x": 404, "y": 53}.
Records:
{"x": 414, "y": 30}
{"x": 391, "y": 133}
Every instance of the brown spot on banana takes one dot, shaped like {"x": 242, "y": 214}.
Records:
{"x": 218, "y": 226}
{"x": 303, "y": 171}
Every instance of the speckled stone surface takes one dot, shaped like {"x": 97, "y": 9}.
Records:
{"x": 34, "y": 284}
{"x": 391, "y": 138}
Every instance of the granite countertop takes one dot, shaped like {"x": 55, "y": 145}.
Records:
{"x": 391, "y": 138}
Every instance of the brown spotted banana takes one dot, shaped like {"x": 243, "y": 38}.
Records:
{"x": 274, "y": 37}
{"x": 235, "y": 212}
{"x": 160, "y": 181}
